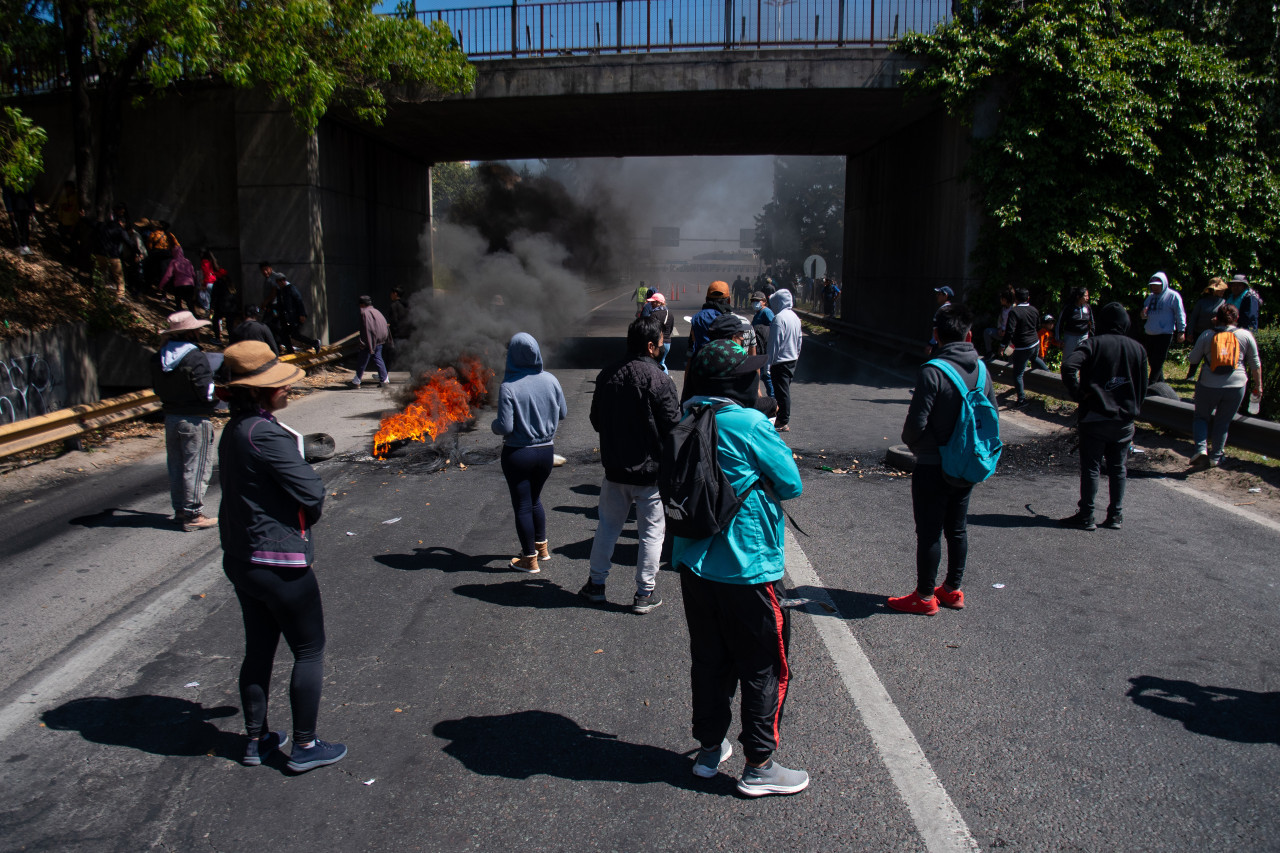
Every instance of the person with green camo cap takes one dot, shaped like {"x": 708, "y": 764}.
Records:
{"x": 738, "y": 630}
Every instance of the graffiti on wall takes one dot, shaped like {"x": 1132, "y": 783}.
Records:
{"x": 27, "y": 388}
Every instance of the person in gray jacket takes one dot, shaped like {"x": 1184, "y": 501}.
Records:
{"x": 1222, "y": 386}
{"x": 785, "y": 337}
{"x": 270, "y": 499}
{"x": 183, "y": 380}
{"x": 530, "y": 407}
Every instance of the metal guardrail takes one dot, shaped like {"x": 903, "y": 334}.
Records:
{"x": 643, "y": 26}
{"x": 78, "y": 420}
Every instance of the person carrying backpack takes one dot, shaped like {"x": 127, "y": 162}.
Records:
{"x": 1107, "y": 376}
{"x": 940, "y": 500}
{"x": 1231, "y": 360}
{"x": 738, "y": 631}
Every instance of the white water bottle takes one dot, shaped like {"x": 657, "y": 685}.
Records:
{"x": 1255, "y": 404}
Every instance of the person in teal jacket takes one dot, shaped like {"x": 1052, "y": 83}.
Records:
{"x": 738, "y": 631}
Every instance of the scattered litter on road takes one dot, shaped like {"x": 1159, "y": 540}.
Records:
{"x": 392, "y": 520}
{"x": 997, "y": 586}
{"x": 1137, "y": 449}
{"x": 1255, "y": 491}
{"x": 1247, "y": 503}
{"x": 801, "y": 602}
{"x": 193, "y": 684}
{"x": 598, "y": 652}
{"x": 370, "y": 781}
{"x": 398, "y": 711}
{"x": 349, "y": 533}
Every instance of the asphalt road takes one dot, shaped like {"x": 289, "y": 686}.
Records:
{"x": 1117, "y": 692}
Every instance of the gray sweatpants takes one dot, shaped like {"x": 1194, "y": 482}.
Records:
{"x": 615, "y": 502}
{"x": 188, "y": 440}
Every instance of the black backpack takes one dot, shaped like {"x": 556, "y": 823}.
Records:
{"x": 697, "y": 497}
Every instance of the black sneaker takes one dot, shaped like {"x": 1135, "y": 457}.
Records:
{"x": 320, "y": 753}
{"x": 645, "y": 603}
{"x": 1114, "y": 520}
{"x": 1079, "y": 521}
{"x": 265, "y": 745}
{"x": 592, "y": 592}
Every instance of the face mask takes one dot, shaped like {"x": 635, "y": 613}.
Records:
{"x": 755, "y": 305}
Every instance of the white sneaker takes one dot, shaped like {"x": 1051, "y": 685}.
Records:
{"x": 24, "y": 250}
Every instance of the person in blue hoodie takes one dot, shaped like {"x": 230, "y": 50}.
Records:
{"x": 1165, "y": 320}
{"x": 530, "y": 407}
{"x": 738, "y": 631}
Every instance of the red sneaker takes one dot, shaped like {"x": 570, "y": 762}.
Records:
{"x": 947, "y": 598}
{"x": 913, "y": 603}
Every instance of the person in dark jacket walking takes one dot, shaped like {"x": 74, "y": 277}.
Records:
{"x": 251, "y": 328}
{"x": 183, "y": 381}
{"x": 940, "y": 505}
{"x": 288, "y": 313}
{"x": 761, "y": 320}
{"x": 271, "y": 497}
{"x": 1076, "y": 323}
{"x": 634, "y": 408}
{"x": 700, "y": 325}
{"x": 1107, "y": 376}
{"x": 1022, "y": 333}
{"x": 374, "y": 333}
{"x": 110, "y": 247}
{"x": 531, "y": 405}
{"x": 656, "y": 306}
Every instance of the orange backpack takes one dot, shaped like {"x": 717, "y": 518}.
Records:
{"x": 1224, "y": 354}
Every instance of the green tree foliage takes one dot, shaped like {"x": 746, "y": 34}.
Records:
{"x": 1124, "y": 144}
{"x": 312, "y": 54}
{"x": 805, "y": 216}
{"x": 454, "y": 185}
{"x": 21, "y": 147}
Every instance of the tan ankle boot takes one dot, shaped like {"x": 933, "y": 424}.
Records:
{"x": 544, "y": 553}
{"x": 526, "y": 564}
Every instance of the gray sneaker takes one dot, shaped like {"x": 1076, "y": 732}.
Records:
{"x": 645, "y": 603}
{"x": 772, "y": 778}
{"x": 706, "y": 763}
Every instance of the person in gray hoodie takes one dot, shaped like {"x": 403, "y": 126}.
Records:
{"x": 940, "y": 505}
{"x": 531, "y": 405}
{"x": 785, "y": 335}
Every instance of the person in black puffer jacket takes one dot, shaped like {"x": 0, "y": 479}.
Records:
{"x": 1107, "y": 376}
{"x": 634, "y": 407}
{"x": 270, "y": 499}
{"x": 1022, "y": 332}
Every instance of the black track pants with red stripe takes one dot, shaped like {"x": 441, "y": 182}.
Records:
{"x": 737, "y": 633}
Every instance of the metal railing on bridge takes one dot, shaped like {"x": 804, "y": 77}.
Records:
{"x": 647, "y": 26}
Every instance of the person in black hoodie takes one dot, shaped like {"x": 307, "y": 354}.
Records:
{"x": 940, "y": 506}
{"x": 271, "y": 498}
{"x": 183, "y": 380}
{"x": 1107, "y": 377}
{"x": 634, "y": 407}
{"x": 1022, "y": 332}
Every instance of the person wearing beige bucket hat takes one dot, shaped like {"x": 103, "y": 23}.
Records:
{"x": 183, "y": 380}
{"x": 270, "y": 499}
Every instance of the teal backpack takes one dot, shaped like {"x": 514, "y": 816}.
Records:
{"x": 972, "y": 453}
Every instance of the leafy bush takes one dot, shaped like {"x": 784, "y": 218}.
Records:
{"x": 1269, "y": 352}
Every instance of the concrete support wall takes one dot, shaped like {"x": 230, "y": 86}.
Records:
{"x": 46, "y": 371}
{"x": 909, "y": 226}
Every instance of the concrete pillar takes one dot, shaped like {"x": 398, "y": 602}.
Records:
{"x": 279, "y": 203}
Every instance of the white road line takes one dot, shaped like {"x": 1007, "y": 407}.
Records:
{"x": 607, "y": 301}
{"x": 72, "y": 672}
{"x": 935, "y": 815}
{"x": 1192, "y": 492}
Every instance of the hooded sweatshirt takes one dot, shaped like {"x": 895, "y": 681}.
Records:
{"x": 1165, "y": 314}
{"x": 785, "y": 332}
{"x": 530, "y": 402}
{"x": 183, "y": 380}
{"x": 935, "y": 405}
{"x": 1107, "y": 374}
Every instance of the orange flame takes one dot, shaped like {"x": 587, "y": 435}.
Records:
{"x": 445, "y": 398}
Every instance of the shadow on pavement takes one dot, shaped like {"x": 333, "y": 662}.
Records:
{"x": 624, "y": 554}
{"x": 540, "y": 743}
{"x": 442, "y": 560}
{"x": 586, "y": 489}
{"x": 850, "y": 603}
{"x": 131, "y": 518}
{"x": 160, "y": 725}
{"x": 1244, "y": 716}
{"x": 591, "y": 512}
{"x": 1004, "y": 519}
{"x": 535, "y": 592}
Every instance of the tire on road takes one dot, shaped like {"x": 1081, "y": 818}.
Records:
{"x": 900, "y": 456}
{"x": 1162, "y": 389}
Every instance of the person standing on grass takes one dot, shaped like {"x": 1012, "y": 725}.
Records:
{"x": 1231, "y": 361}
{"x": 738, "y": 631}
{"x": 940, "y": 505}
{"x": 530, "y": 407}
{"x": 1165, "y": 319}
{"x": 1201, "y": 317}
{"x": 633, "y": 408}
{"x": 1022, "y": 334}
{"x": 1246, "y": 302}
{"x": 183, "y": 380}
{"x": 1076, "y": 323}
{"x": 1107, "y": 377}
{"x": 271, "y": 498}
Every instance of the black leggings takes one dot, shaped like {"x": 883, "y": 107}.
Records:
{"x": 277, "y": 601}
{"x": 526, "y": 470}
{"x": 941, "y": 510}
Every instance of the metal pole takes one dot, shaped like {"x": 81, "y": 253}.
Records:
{"x": 515, "y": 42}
{"x": 840, "y": 27}
{"x": 873, "y": 23}
{"x": 618, "y": 13}
{"x": 759, "y": 24}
